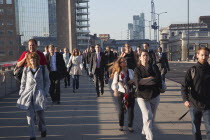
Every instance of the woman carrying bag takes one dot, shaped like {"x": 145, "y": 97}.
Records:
{"x": 74, "y": 68}
{"x": 122, "y": 85}
{"x": 33, "y": 93}
{"x": 148, "y": 82}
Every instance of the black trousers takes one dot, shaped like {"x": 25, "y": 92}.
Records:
{"x": 130, "y": 111}
{"x": 54, "y": 86}
{"x": 67, "y": 79}
{"x": 99, "y": 77}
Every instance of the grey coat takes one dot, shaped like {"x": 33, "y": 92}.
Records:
{"x": 33, "y": 87}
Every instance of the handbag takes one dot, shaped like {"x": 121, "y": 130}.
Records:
{"x": 17, "y": 73}
{"x": 163, "y": 87}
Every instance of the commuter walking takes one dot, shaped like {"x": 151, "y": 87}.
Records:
{"x": 162, "y": 63}
{"x": 66, "y": 57}
{"x": 109, "y": 58}
{"x": 152, "y": 57}
{"x": 196, "y": 93}
{"x": 147, "y": 80}
{"x": 33, "y": 93}
{"x": 90, "y": 52}
{"x": 97, "y": 67}
{"x": 123, "y": 89}
{"x": 32, "y": 47}
{"x": 74, "y": 67}
{"x": 128, "y": 54}
{"x": 46, "y": 51}
{"x": 57, "y": 68}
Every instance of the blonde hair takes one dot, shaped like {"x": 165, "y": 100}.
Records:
{"x": 32, "y": 55}
{"x": 74, "y": 52}
{"x": 115, "y": 67}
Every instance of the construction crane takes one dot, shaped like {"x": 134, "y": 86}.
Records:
{"x": 153, "y": 19}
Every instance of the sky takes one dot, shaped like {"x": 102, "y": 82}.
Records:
{"x": 112, "y": 16}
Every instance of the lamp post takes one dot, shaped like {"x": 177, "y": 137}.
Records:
{"x": 188, "y": 28}
{"x": 159, "y": 23}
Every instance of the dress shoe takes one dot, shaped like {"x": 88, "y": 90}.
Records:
{"x": 58, "y": 102}
{"x": 130, "y": 129}
{"x": 121, "y": 128}
{"x": 43, "y": 134}
{"x": 73, "y": 90}
{"x": 102, "y": 93}
{"x": 32, "y": 138}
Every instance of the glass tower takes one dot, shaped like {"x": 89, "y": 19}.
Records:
{"x": 33, "y": 18}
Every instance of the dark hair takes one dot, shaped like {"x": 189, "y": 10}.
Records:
{"x": 46, "y": 47}
{"x": 32, "y": 40}
{"x": 203, "y": 48}
{"x": 139, "y": 62}
{"x": 146, "y": 43}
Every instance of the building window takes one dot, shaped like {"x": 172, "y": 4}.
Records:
{"x": 203, "y": 45}
{"x": 2, "y": 53}
{"x": 9, "y": 22}
{"x": 1, "y": 1}
{"x": 1, "y": 32}
{"x": 1, "y": 42}
{"x": 9, "y": 11}
{"x": 8, "y": 1}
{"x": 10, "y": 32}
{"x": 11, "y": 53}
{"x": 172, "y": 34}
{"x": 1, "y": 11}
{"x": 10, "y": 42}
{"x": 1, "y": 22}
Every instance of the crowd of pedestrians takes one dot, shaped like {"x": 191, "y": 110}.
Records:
{"x": 136, "y": 76}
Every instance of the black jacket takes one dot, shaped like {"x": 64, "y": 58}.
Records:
{"x": 60, "y": 64}
{"x": 196, "y": 89}
{"x": 131, "y": 61}
{"x": 147, "y": 91}
{"x": 152, "y": 57}
{"x": 93, "y": 62}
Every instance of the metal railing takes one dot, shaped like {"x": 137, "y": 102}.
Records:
{"x": 8, "y": 84}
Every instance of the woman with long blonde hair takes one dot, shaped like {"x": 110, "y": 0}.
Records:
{"x": 122, "y": 87}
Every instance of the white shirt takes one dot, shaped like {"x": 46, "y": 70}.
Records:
{"x": 66, "y": 57}
{"x": 53, "y": 63}
{"x": 116, "y": 85}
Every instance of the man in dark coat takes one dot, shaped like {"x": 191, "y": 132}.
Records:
{"x": 57, "y": 69}
{"x": 162, "y": 62}
{"x": 97, "y": 67}
{"x": 152, "y": 57}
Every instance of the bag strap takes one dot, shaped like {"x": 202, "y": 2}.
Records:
{"x": 43, "y": 74}
{"x": 192, "y": 72}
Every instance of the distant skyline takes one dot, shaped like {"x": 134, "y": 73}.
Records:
{"x": 112, "y": 16}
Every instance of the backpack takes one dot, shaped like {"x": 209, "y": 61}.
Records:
{"x": 163, "y": 87}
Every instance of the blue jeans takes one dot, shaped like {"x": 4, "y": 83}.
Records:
{"x": 196, "y": 116}
{"x": 75, "y": 81}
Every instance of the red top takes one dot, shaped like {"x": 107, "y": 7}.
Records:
{"x": 41, "y": 55}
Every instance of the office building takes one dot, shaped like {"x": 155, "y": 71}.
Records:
{"x": 9, "y": 38}
{"x": 136, "y": 30}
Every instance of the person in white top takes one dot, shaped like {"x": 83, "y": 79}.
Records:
{"x": 74, "y": 68}
{"x": 66, "y": 57}
{"x": 46, "y": 50}
{"x": 123, "y": 89}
